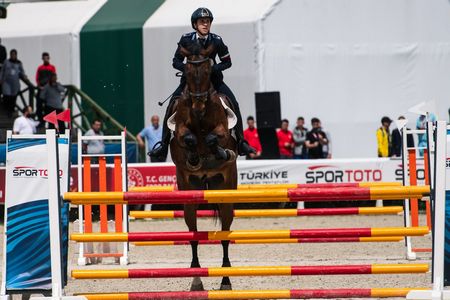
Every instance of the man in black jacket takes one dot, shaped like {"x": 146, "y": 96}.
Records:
{"x": 2, "y": 57}
{"x": 397, "y": 141}
{"x": 201, "y": 21}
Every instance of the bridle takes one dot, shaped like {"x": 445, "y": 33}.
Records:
{"x": 202, "y": 96}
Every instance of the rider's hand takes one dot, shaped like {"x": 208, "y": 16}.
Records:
{"x": 215, "y": 69}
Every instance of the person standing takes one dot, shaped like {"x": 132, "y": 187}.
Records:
{"x": 252, "y": 137}
{"x": 397, "y": 141}
{"x": 285, "y": 140}
{"x": 2, "y": 60}
{"x": 25, "y": 124}
{"x": 315, "y": 140}
{"x": 299, "y": 135}
{"x": 94, "y": 146}
{"x": 421, "y": 124}
{"x": 52, "y": 96}
{"x": 43, "y": 75}
{"x": 326, "y": 148}
{"x": 2, "y": 54}
{"x": 384, "y": 137}
{"x": 11, "y": 73}
{"x": 152, "y": 134}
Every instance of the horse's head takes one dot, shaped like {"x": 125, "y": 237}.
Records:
{"x": 198, "y": 72}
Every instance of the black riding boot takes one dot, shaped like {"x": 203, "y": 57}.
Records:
{"x": 244, "y": 148}
{"x": 161, "y": 149}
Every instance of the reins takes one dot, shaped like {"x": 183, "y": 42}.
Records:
{"x": 202, "y": 95}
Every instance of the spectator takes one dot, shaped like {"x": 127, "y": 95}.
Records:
{"x": 326, "y": 148}
{"x": 52, "y": 96}
{"x": 285, "y": 140}
{"x": 10, "y": 75}
{"x": 299, "y": 135}
{"x": 2, "y": 60}
{"x": 315, "y": 140}
{"x": 421, "y": 123}
{"x": 94, "y": 146}
{"x": 43, "y": 75}
{"x": 397, "y": 141}
{"x": 252, "y": 137}
{"x": 2, "y": 54}
{"x": 25, "y": 124}
{"x": 152, "y": 134}
{"x": 384, "y": 137}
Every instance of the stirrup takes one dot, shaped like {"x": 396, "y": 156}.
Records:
{"x": 159, "y": 150}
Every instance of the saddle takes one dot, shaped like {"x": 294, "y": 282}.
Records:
{"x": 231, "y": 116}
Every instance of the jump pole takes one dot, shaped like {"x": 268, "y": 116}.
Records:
{"x": 248, "y": 196}
{"x": 258, "y": 294}
{"x": 251, "y": 271}
{"x": 249, "y": 213}
{"x": 279, "y": 241}
{"x": 170, "y": 188}
{"x": 249, "y": 234}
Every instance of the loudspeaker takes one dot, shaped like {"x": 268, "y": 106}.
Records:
{"x": 269, "y": 143}
{"x": 268, "y": 110}
{"x": 3, "y": 12}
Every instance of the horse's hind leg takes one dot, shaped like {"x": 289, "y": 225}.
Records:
{"x": 190, "y": 217}
{"x": 226, "y": 217}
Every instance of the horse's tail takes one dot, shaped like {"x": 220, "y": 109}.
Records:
{"x": 216, "y": 216}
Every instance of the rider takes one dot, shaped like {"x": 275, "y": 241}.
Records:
{"x": 201, "y": 20}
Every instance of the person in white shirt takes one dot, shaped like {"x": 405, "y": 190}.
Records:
{"x": 94, "y": 146}
{"x": 25, "y": 124}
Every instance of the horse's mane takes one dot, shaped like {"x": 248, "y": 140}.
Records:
{"x": 195, "y": 48}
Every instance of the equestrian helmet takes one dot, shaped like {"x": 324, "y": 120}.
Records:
{"x": 201, "y": 12}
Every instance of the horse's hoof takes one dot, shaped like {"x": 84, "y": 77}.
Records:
{"x": 197, "y": 287}
{"x": 195, "y": 167}
{"x": 225, "y": 287}
{"x": 231, "y": 155}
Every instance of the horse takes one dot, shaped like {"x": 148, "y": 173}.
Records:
{"x": 203, "y": 149}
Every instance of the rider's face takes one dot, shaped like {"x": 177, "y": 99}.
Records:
{"x": 203, "y": 25}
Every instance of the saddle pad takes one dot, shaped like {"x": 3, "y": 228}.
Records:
{"x": 231, "y": 116}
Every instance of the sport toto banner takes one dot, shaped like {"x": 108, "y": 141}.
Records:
{"x": 268, "y": 171}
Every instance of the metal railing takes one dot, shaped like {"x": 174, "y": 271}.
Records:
{"x": 84, "y": 109}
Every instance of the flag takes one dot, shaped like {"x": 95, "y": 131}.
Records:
{"x": 64, "y": 116}
{"x": 52, "y": 118}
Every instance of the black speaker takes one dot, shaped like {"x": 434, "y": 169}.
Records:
{"x": 268, "y": 110}
{"x": 269, "y": 143}
{"x": 3, "y": 12}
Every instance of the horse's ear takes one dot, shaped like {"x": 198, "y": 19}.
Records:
{"x": 184, "y": 51}
{"x": 207, "y": 52}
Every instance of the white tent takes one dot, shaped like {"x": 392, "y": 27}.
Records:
{"x": 348, "y": 62}
{"x": 33, "y": 28}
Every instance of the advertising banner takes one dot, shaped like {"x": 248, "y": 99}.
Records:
{"x": 265, "y": 172}
{"x": 447, "y": 214}
{"x": 28, "y": 260}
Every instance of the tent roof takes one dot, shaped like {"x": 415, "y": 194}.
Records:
{"x": 178, "y": 12}
{"x": 47, "y": 18}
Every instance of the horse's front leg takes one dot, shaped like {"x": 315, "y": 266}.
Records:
{"x": 189, "y": 142}
{"x": 213, "y": 141}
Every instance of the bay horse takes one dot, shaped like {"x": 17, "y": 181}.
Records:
{"x": 203, "y": 148}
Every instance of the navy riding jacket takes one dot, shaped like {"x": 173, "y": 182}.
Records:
{"x": 220, "y": 50}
